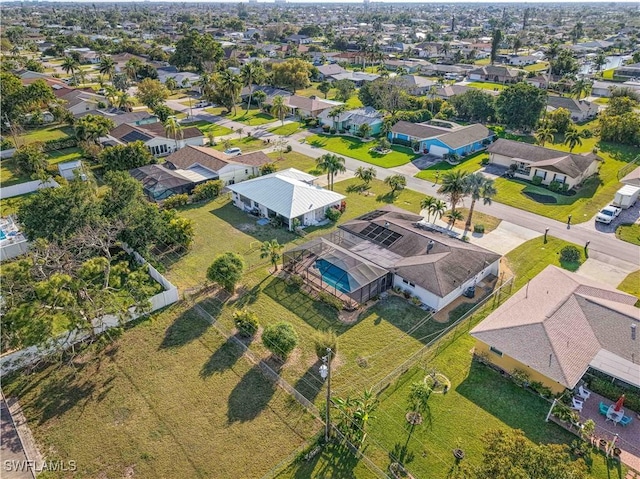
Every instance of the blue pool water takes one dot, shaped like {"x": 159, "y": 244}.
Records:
{"x": 334, "y": 276}
{"x": 2, "y": 235}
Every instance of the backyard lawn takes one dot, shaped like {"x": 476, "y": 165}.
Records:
{"x": 593, "y": 195}
{"x": 536, "y": 67}
{"x": 253, "y": 117}
{"x": 629, "y": 233}
{"x": 486, "y": 85}
{"x": 286, "y": 130}
{"x": 356, "y": 148}
{"x": 174, "y": 413}
{"x": 247, "y": 144}
{"x": 66, "y": 154}
{"x": 45, "y": 133}
{"x": 489, "y": 222}
{"x": 296, "y": 160}
{"x": 206, "y": 126}
{"x": 9, "y": 174}
{"x": 469, "y": 164}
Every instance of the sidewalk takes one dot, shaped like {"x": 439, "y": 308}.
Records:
{"x": 12, "y": 453}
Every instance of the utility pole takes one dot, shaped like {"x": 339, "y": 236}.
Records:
{"x": 325, "y": 372}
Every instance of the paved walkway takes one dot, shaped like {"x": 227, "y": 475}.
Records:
{"x": 12, "y": 454}
{"x": 506, "y": 237}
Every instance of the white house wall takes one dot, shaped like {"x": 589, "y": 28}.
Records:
{"x": 237, "y": 173}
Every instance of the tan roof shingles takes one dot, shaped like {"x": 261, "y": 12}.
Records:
{"x": 213, "y": 160}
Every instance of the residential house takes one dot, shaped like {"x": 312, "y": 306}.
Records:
{"x": 632, "y": 178}
{"x": 389, "y": 247}
{"x": 309, "y": 107}
{"x": 494, "y": 73}
{"x": 299, "y": 39}
{"x": 358, "y": 78}
{"x": 551, "y": 165}
{"x": 188, "y": 79}
{"x": 558, "y": 327}
{"x": 581, "y": 110}
{"x": 410, "y": 66}
{"x": 441, "y": 138}
{"x": 448, "y": 91}
{"x": 159, "y": 183}
{"x": 288, "y": 194}
{"x": 628, "y": 71}
{"x": 520, "y": 60}
{"x": 417, "y": 85}
{"x": 270, "y": 91}
{"x": 603, "y": 88}
{"x": 154, "y": 136}
{"x": 82, "y": 101}
{"x": 325, "y": 71}
{"x": 539, "y": 81}
{"x": 118, "y": 117}
{"x": 436, "y": 69}
{"x": 351, "y": 120}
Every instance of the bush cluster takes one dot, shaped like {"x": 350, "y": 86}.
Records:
{"x": 176, "y": 201}
{"x": 333, "y": 214}
{"x": 246, "y": 322}
{"x": 207, "y": 190}
{"x": 330, "y": 300}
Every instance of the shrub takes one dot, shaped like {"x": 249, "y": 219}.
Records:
{"x": 613, "y": 392}
{"x": 288, "y": 149}
{"x": 295, "y": 281}
{"x": 570, "y": 254}
{"x": 484, "y": 162}
{"x": 555, "y": 186}
{"x": 59, "y": 144}
{"x": 330, "y": 300}
{"x": 207, "y": 190}
{"x": 332, "y": 131}
{"x": 6, "y": 144}
{"x": 415, "y": 300}
{"x": 280, "y": 338}
{"x": 323, "y": 340}
{"x": 326, "y": 128}
{"x": 246, "y": 322}
{"x": 333, "y": 214}
{"x": 564, "y": 188}
{"x": 176, "y": 201}
{"x": 478, "y": 229}
{"x": 536, "y": 180}
{"x": 226, "y": 270}
{"x": 521, "y": 378}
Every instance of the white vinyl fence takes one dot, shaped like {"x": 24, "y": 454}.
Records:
{"x": 25, "y": 357}
{"x": 26, "y": 187}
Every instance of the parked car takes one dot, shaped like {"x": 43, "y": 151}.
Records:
{"x": 202, "y": 104}
{"x": 608, "y": 214}
{"x": 233, "y": 151}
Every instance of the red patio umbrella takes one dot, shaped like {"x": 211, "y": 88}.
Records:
{"x": 619, "y": 403}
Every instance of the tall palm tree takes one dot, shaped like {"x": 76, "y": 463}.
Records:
{"x": 278, "y": 108}
{"x": 171, "y": 84}
{"x": 331, "y": 164}
{"x": 335, "y": 112}
{"x": 544, "y": 135}
{"x": 366, "y": 174}
{"x": 479, "y": 187}
{"x": 581, "y": 87}
{"x": 599, "y": 61}
{"x": 125, "y": 102}
{"x": 131, "y": 68}
{"x": 230, "y": 86}
{"x": 454, "y": 186}
{"x": 437, "y": 209}
{"x": 111, "y": 94}
{"x": 251, "y": 73}
{"x": 107, "y": 66}
{"x": 573, "y": 138}
{"x": 173, "y": 129}
{"x": 271, "y": 249}
{"x": 205, "y": 83}
{"x": 454, "y": 215}
{"x": 69, "y": 65}
{"x": 426, "y": 204}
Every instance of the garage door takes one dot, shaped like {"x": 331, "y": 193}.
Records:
{"x": 438, "y": 150}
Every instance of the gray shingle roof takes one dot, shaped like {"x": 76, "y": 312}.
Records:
{"x": 560, "y": 322}
{"x": 417, "y": 130}
{"x": 211, "y": 159}
{"x": 465, "y": 136}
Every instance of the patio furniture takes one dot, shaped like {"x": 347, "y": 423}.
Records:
{"x": 583, "y": 393}
{"x": 613, "y": 415}
{"x": 626, "y": 420}
{"x": 576, "y": 404}
{"x": 604, "y": 409}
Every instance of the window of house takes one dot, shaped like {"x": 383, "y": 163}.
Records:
{"x": 495, "y": 351}
{"x": 542, "y": 174}
{"x": 409, "y": 283}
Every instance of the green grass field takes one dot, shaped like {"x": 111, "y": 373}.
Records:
{"x": 631, "y": 284}
{"x": 9, "y": 174}
{"x": 469, "y": 164}
{"x": 253, "y": 117}
{"x": 286, "y": 130}
{"x": 190, "y": 399}
{"x": 295, "y": 160}
{"x": 536, "y": 67}
{"x": 45, "y": 133}
{"x": 629, "y": 233}
{"x": 205, "y": 127}
{"x": 247, "y": 144}
{"x": 355, "y": 148}
{"x": 485, "y": 85}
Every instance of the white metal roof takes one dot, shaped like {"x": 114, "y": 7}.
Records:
{"x": 616, "y": 367}
{"x": 285, "y": 193}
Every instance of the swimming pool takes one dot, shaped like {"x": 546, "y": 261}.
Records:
{"x": 334, "y": 276}
{"x": 2, "y": 235}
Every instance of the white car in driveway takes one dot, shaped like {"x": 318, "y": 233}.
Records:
{"x": 608, "y": 214}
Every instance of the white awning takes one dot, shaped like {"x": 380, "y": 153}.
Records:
{"x": 617, "y": 367}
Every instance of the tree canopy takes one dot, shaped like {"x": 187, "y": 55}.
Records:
{"x": 126, "y": 157}
{"x": 293, "y": 73}
{"x": 226, "y": 270}
{"x": 519, "y": 106}
{"x": 196, "y": 50}
{"x": 152, "y": 93}
{"x": 474, "y": 105}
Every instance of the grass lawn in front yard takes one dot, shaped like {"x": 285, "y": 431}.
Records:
{"x": 595, "y": 192}
{"x": 247, "y": 144}
{"x": 536, "y": 67}
{"x": 631, "y": 284}
{"x": 206, "y": 126}
{"x": 286, "y": 130}
{"x": 489, "y": 222}
{"x": 253, "y": 117}
{"x": 629, "y": 233}
{"x": 486, "y": 85}
{"x": 296, "y": 160}
{"x": 46, "y": 133}
{"x": 602, "y": 101}
{"x": 469, "y": 164}
{"x": 168, "y": 396}
{"x": 356, "y": 148}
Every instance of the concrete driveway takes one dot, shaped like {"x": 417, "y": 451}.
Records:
{"x": 606, "y": 269}
{"x": 506, "y": 237}
{"x": 630, "y": 215}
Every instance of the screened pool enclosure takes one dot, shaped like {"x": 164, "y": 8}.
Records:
{"x": 327, "y": 266}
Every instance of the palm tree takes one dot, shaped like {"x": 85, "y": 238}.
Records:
{"x": 426, "y": 204}
{"x": 599, "y": 61}
{"x": 131, "y": 68}
{"x": 581, "y": 87}
{"x": 335, "y": 112}
{"x": 454, "y": 186}
{"x": 454, "y": 215}
{"x": 366, "y": 174}
{"x": 396, "y": 182}
{"x": 365, "y": 130}
{"x": 205, "y": 83}
{"x": 573, "y": 138}
{"x": 211, "y": 136}
{"x": 260, "y": 96}
{"x": 107, "y": 66}
{"x": 479, "y": 187}
{"x": 437, "y": 209}
{"x": 251, "y": 73}
{"x": 111, "y": 94}
{"x": 171, "y": 84}
{"x": 278, "y": 108}
{"x": 70, "y": 65}
{"x": 125, "y": 102}
{"x": 271, "y": 249}
{"x": 239, "y": 131}
{"x": 173, "y": 129}
{"x": 230, "y": 86}
{"x": 544, "y": 135}
{"x": 331, "y": 164}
